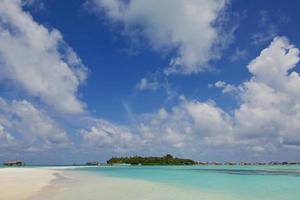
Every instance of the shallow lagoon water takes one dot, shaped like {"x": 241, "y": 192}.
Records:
{"x": 242, "y": 182}
{"x": 174, "y": 183}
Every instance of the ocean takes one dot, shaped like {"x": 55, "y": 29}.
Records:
{"x": 204, "y": 182}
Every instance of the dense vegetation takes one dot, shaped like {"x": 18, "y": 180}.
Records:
{"x": 165, "y": 160}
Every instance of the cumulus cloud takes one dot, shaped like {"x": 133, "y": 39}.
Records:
{"x": 190, "y": 28}
{"x": 38, "y": 60}
{"x": 266, "y": 120}
{"x": 107, "y": 136}
{"x": 226, "y": 88}
{"x": 268, "y": 115}
{"x": 270, "y": 108}
{"x": 25, "y": 127}
{"x": 188, "y": 125}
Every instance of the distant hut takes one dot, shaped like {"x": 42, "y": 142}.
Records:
{"x": 215, "y": 163}
{"x": 230, "y": 163}
{"x": 245, "y": 163}
{"x": 92, "y": 163}
{"x": 14, "y": 163}
{"x": 202, "y": 163}
{"x": 259, "y": 163}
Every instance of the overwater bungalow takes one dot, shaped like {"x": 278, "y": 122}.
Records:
{"x": 202, "y": 163}
{"x": 230, "y": 163}
{"x": 215, "y": 163}
{"x": 92, "y": 163}
{"x": 245, "y": 163}
{"x": 14, "y": 163}
{"x": 292, "y": 163}
{"x": 259, "y": 163}
{"x": 274, "y": 163}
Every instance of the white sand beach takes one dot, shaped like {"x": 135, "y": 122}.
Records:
{"x": 23, "y": 183}
{"x": 60, "y": 184}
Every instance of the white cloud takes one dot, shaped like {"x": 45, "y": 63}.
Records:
{"x": 270, "y": 108}
{"x": 187, "y": 126}
{"x": 106, "y": 136}
{"x": 226, "y": 88}
{"x": 157, "y": 81}
{"x": 268, "y": 116}
{"x": 36, "y": 4}
{"x": 146, "y": 84}
{"x": 188, "y": 27}
{"x": 266, "y": 120}
{"x": 6, "y": 139}
{"x": 28, "y": 128}
{"x": 273, "y": 65}
{"x": 38, "y": 60}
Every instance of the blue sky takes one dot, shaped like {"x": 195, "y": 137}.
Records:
{"x": 207, "y": 79}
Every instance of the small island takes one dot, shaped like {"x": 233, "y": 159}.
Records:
{"x": 138, "y": 160}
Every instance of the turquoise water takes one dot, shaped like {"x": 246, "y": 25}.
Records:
{"x": 253, "y": 182}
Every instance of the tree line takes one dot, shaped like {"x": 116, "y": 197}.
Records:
{"x": 164, "y": 160}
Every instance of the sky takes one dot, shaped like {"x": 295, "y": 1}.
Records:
{"x": 211, "y": 80}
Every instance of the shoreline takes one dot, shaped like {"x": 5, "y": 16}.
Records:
{"x": 84, "y": 185}
{"x": 67, "y": 183}
{"x": 55, "y": 183}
